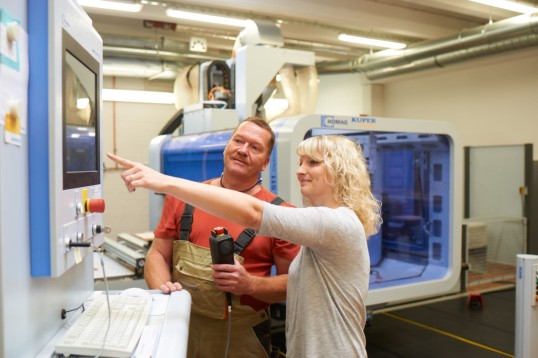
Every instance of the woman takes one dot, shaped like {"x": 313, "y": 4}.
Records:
{"x": 328, "y": 280}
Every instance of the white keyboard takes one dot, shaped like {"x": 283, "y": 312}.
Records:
{"x": 129, "y": 315}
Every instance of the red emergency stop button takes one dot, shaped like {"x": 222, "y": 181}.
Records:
{"x": 95, "y": 205}
{"x": 219, "y": 230}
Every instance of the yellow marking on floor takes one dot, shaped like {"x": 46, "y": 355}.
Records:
{"x": 447, "y": 334}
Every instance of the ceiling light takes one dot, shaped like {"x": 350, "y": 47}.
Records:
{"x": 116, "y": 95}
{"x": 83, "y": 103}
{"x": 371, "y": 42}
{"x": 194, "y": 16}
{"x": 128, "y": 6}
{"x": 509, "y": 5}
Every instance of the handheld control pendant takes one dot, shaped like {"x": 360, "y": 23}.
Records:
{"x": 222, "y": 252}
{"x": 222, "y": 246}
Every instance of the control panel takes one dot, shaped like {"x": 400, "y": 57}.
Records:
{"x": 65, "y": 144}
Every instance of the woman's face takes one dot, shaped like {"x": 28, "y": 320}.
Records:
{"x": 314, "y": 180}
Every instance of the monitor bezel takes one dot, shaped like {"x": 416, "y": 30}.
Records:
{"x": 72, "y": 180}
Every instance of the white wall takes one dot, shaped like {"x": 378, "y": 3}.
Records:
{"x": 492, "y": 101}
{"x": 340, "y": 94}
{"x": 135, "y": 125}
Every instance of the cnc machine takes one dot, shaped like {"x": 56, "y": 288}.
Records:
{"x": 415, "y": 167}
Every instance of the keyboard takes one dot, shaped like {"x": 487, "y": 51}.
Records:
{"x": 129, "y": 315}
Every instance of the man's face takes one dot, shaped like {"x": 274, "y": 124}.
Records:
{"x": 246, "y": 152}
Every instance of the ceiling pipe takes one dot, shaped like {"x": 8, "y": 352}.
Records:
{"x": 507, "y": 35}
{"x": 158, "y": 54}
{"x": 171, "y": 51}
{"x": 160, "y": 48}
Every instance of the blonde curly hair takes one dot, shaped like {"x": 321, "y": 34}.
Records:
{"x": 345, "y": 163}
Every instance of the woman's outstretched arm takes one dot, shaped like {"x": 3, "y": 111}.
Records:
{"x": 231, "y": 205}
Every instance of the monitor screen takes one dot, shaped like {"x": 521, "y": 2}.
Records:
{"x": 80, "y": 110}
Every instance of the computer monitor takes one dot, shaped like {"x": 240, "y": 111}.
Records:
{"x": 81, "y": 102}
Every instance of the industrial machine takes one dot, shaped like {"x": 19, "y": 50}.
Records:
{"x": 65, "y": 170}
{"x": 415, "y": 167}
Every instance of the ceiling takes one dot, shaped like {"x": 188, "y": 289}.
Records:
{"x": 160, "y": 43}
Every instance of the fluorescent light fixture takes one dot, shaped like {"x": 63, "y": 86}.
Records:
{"x": 83, "y": 103}
{"x": 371, "y": 42}
{"x": 509, "y": 5}
{"x": 194, "y": 16}
{"x": 112, "y": 5}
{"x": 116, "y": 95}
{"x": 148, "y": 69}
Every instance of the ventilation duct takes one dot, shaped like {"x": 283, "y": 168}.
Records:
{"x": 156, "y": 54}
{"x": 512, "y": 34}
{"x": 130, "y": 67}
{"x": 150, "y": 58}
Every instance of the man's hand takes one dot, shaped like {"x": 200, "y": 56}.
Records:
{"x": 234, "y": 279}
{"x": 170, "y": 287}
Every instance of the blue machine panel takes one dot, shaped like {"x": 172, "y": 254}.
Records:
{"x": 195, "y": 157}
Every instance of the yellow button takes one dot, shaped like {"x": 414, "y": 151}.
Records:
{"x": 84, "y": 200}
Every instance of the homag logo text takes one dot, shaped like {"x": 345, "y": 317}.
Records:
{"x": 330, "y": 121}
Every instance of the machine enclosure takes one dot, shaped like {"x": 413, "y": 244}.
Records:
{"x": 416, "y": 173}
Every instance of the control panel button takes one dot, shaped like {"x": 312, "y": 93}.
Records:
{"x": 95, "y": 205}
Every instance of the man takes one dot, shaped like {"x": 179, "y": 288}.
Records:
{"x": 182, "y": 241}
